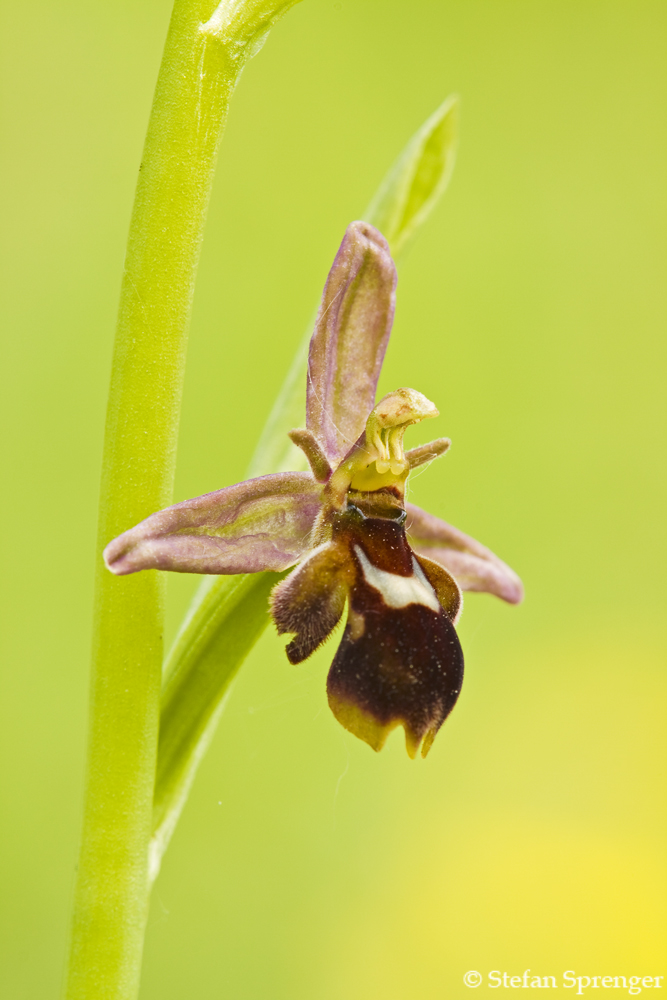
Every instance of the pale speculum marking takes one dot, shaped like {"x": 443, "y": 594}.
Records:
{"x": 398, "y": 591}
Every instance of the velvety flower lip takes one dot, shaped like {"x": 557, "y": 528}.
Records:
{"x": 345, "y": 526}
{"x": 399, "y": 661}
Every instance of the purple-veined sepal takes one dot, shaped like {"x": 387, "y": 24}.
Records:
{"x": 350, "y": 339}
{"x": 475, "y": 567}
{"x": 262, "y": 524}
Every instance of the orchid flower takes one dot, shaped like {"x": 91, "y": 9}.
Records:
{"x": 345, "y": 526}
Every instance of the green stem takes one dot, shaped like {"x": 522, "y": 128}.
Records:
{"x": 205, "y": 51}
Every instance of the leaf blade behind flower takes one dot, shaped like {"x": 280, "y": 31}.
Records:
{"x": 417, "y": 180}
{"x": 213, "y": 642}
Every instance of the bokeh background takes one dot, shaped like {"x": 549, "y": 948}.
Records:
{"x": 531, "y": 309}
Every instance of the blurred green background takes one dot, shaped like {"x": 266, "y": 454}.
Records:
{"x": 531, "y": 310}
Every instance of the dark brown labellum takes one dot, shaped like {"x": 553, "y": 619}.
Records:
{"x": 400, "y": 661}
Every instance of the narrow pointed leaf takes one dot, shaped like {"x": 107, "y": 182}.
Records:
{"x": 417, "y": 179}
{"x": 211, "y": 647}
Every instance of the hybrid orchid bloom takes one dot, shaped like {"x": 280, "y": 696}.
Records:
{"x": 345, "y": 526}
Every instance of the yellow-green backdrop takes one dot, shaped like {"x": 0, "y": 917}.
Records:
{"x": 531, "y": 311}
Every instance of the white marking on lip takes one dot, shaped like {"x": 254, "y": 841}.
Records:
{"x": 399, "y": 591}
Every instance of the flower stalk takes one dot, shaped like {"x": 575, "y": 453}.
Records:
{"x": 205, "y": 52}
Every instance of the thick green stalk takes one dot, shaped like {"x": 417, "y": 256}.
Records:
{"x": 205, "y": 51}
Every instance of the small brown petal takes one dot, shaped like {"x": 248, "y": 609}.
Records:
{"x": 427, "y": 452}
{"x": 312, "y": 449}
{"x": 310, "y": 601}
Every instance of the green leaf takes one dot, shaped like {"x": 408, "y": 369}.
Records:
{"x": 220, "y": 631}
{"x": 418, "y": 178}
